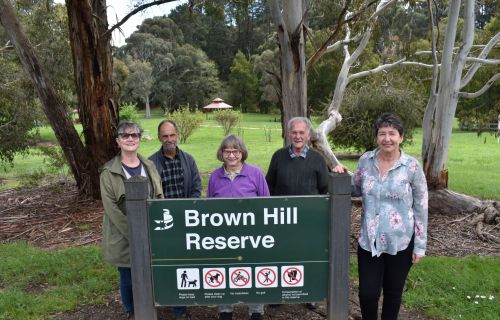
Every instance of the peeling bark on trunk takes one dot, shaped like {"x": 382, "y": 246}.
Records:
{"x": 290, "y": 30}
{"x": 92, "y": 62}
{"x": 53, "y": 108}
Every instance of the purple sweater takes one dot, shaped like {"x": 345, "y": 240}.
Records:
{"x": 250, "y": 182}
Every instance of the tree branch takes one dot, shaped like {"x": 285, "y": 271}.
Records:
{"x": 476, "y": 94}
{"x": 484, "y": 53}
{"x": 133, "y": 12}
{"x": 344, "y": 18}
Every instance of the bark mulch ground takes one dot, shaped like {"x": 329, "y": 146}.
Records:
{"x": 55, "y": 216}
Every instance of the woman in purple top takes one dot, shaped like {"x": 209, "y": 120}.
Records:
{"x": 235, "y": 178}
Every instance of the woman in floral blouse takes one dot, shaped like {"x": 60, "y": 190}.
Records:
{"x": 393, "y": 232}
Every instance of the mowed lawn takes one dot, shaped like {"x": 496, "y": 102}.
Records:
{"x": 473, "y": 161}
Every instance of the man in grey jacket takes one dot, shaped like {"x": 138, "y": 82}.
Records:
{"x": 179, "y": 175}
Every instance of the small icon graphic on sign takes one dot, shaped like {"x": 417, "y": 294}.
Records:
{"x": 167, "y": 222}
{"x": 240, "y": 278}
{"x": 292, "y": 276}
{"x": 266, "y": 277}
{"x": 188, "y": 279}
{"x": 213, "y": 278}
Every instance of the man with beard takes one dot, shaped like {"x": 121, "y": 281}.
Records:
{"x": 179, "y": 175}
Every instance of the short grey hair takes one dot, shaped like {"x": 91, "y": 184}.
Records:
{"x": 127, "y": 124}
{"x": 235, "y": 142}
{"x": 299, "y": 119}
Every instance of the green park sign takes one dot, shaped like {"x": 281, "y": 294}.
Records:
{"x": 239, "y": 250}
{"x": 252, "y": 250}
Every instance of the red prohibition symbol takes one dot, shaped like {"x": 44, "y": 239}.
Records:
{"x": 266, "y": 277}
{"x": 292, "y": 276}
{"x": 240, "y": 277}
{"x": 214, "y": 278}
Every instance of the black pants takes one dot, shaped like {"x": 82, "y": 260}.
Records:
{"x": 388, "y": 272}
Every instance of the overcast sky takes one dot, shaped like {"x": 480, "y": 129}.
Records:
{"x": 117, "y": 9}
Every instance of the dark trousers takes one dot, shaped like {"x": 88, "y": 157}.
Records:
{"x": 387, "y": 272}
{"x": 126, "y": 288}
{"x": 127, "y": 296}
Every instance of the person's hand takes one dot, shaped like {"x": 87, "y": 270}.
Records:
{"x": 339, "y": 168}
{"x": 416, "y": 258}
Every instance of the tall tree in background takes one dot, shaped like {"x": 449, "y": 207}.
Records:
{"x": 90, "y": 43}
{"x": 243, "y": 83}
{"x": 78, "y": 159}
{"x": 448, "y": 81}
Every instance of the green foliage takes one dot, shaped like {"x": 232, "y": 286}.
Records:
{"x": 243, "y": 83}
{"x": 54, "y": 166}
{"x": 227, "y": 118}
{"x": 18, "y": 110}
{"x": 36, "y": 283}
{"x": 187, "y": 121}
{"x": 362, "y": 107}
{"x": 128, "y": 111}
{"x": 54, "y": 159}
{"x": 266, "y": 66}
{"x": 139, "y": 81}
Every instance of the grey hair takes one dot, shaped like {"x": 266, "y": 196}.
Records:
{"x": 232, "y": 141}
{"x": 127, "y": 124}
{"x": 299, "y": 119}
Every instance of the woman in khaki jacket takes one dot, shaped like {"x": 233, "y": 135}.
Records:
{"x": 126, "y": 164}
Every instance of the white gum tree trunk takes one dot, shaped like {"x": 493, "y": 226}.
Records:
{"x": 443, "y": 100}
{"x": 290, "y": 26}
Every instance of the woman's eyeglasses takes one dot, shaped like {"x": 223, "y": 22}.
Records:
{"x": 229, "y": 152}
{"x": 125, "y": 136}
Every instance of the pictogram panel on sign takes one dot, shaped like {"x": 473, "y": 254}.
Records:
{"x": 188, "y": 278}
{"x": 214, "y": 278}
{"x": 266, "y": 277}
{"x": 292, "y": 276}
{"x": 240, "y": 278}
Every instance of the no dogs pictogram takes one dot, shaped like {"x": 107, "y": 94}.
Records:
{"x": 266, "y": 277}
{"x": 213, "y": 278}
{"x": 292, "y": 276}
{"x": 240, "y": 278}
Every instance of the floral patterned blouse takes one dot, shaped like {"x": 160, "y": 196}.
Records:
{"x": 394, "y": 206}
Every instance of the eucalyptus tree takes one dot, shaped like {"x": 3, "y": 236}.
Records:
{"x": 266, "y": 66}
{"x": 89, "y": 37}
{"x": 243, "y": 83}
{"x": 450, "y": 75}
{"x": 20, "y": 110}
{"x": 455, "y": 70}
{"x": 139, "y": 82}
{"x": 204, "y": 26}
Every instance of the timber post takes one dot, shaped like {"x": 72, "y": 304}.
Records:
{"x": 339, "y": 187}
{"x": 136, "y": 194}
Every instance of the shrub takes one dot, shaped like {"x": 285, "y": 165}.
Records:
{"x": 186, "y": 121}
{"x": 54, "y": 159}
{"x": 227, "y": 118}
{"x": 362, "y": 108}
{"x": 128, "y": 111}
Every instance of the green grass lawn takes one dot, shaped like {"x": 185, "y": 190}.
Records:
{"x": 473, "y": 161}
